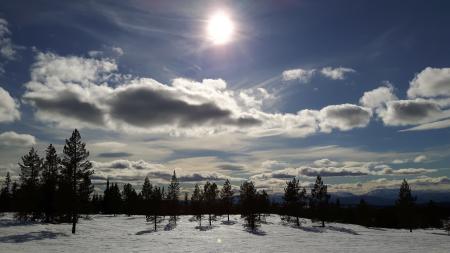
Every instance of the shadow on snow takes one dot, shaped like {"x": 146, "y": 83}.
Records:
{"x": 32, "y": 236}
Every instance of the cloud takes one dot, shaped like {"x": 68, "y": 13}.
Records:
{"x": 302, "y": 75}
{"x": 344, "y": 117}
{"x": 336, "y": 73}
{"x": 378, "y": 97}
{"x": 430, "y": 126}
{"x": 10, "y": 138}
{"x": 7, "y": 48}
{"x": 420, "y": 158}
{"x": 86, "y": 92}
{"x": 114, "y": 154}
{"x": 9, "y": 108}
{"x": 419, "y": 183}
{"x": 430, "y": 82}
{"x": 411, "y": 112}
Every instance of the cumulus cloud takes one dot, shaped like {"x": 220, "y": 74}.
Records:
{"x": 430, "y": 82}
{"x": 86, "y": 92}
{"x": 302, "y": 75}
{"x": 10, "y": 138}
{"x": 9, "y": 108}
{"x": 378, "y": 97}
{"x": 336, "y": 73}
{"x": 412, "y": 112}
{"x": 344, "y": 117}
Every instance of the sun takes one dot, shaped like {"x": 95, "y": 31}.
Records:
{"x": 220, "y": 28}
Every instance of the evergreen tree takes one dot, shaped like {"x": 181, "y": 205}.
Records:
{"x": 319, "y": 199}
{"x": 173, "y": 193}
{"x": 5, "y": 194}
{"x": 49, "y": 179}
{"x": 146, "y": 195}
{"x": 115, "y": 199}
{"x": 129, "y": 199}
{"x": 30, "y": 169}
{"x": 263, "y": 205}
{"x": 292, "y": 200}
{"x": 249, "y": 198}
{"x": 210, "y": 196}
{"x": 363, "y": 213}
{"x": 76, "y": 172}
{"x": 226, "y": 196}
{"x": 405, "y": 205}
{"x": 155, "y": 210}
{"x": 197, "y": 204}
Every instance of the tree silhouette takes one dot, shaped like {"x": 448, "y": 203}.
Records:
{"x": 76, "y": 173}
{"x": 197, "y": 203}
{"x": 405, "y": 205}
{"x": 5, "y": 194}
{"x": 130, "y": 199}
{"x": 319, "y": 199}
{"x": 249, "y": 198}
{"x": 210, "y": 196}
{"x": 226, "y": 196}
{"x": 173, "y": 193}
{"x": 49, "y": 179}
{"x": 30, "y": 169}
{"x": 294, "y": 200}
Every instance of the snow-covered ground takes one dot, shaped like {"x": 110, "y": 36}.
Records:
{"x": 132, "y": 234}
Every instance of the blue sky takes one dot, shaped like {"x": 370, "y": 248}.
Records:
{"x": 357, "y": 91}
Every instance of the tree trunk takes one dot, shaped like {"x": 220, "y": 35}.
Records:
{"x": 323, "y": 223}
{"x": 298, "y": 222}
{"x": 74, "y": 223}
{"x": 210, "y": 220}
{"x": 155, "y": 221}
{"x": 228, "y": 217}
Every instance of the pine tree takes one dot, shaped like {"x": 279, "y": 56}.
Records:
{"x": 173, "y": 193}
{"x": 49, "y": 178}
{"x": 129, "y": 199}
{"x": 210, "y": 196}
{"x": 405, "y": 204}
{"x": 155, "y": 210}
{"x": 226, "y": 196}
{"x": 5, "y": 194}
{"x": 115, "y": 199}
{"x": 319, "y": 199}
{"x": 30, "y": 169}
{"x": 75, "y": 173}
{"x": 263, "y": 205}
{"x": 197, "y": 204}
{"x": 249, "y": 198}
{"x": 146, "y": 195}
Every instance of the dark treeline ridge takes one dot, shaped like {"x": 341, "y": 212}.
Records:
{"x": 58, "y": 188}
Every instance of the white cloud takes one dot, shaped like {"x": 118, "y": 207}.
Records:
{"x": 336, "y": 73}
{"x": 117, "y": 50}
{"x": 9, "y": 108}
{"x": 86, "y": 92}
{"x": 430, "y": 82}
{"x": 378, "y": 97}
{"x": 14, "y": 139}
{"x": 429, "y": 126}
{"x": 302, "y": 75}
{"x": 7, "y": 48}
{"x": 420, "y": 158}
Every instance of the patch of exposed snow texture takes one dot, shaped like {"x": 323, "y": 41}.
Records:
{"x": 104, "y": 233}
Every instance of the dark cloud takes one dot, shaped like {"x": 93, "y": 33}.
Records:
{"x": 145, "y": 107}
{"x": 231, "y": 167}
{"x": 405, "y": 112}
{"x": 114, "y": 154}
{"x": 330, "y": 172}
{"x": 68, "y": 104}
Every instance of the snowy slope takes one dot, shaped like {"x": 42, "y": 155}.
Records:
{"x": 132, "y": 234}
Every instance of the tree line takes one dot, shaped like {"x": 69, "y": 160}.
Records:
{"x": 58, "y": 189}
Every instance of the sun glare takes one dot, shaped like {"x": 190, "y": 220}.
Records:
{"x": 220, "y": 28}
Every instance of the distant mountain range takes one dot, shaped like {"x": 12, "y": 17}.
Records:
{"x": 381, "y": 197}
